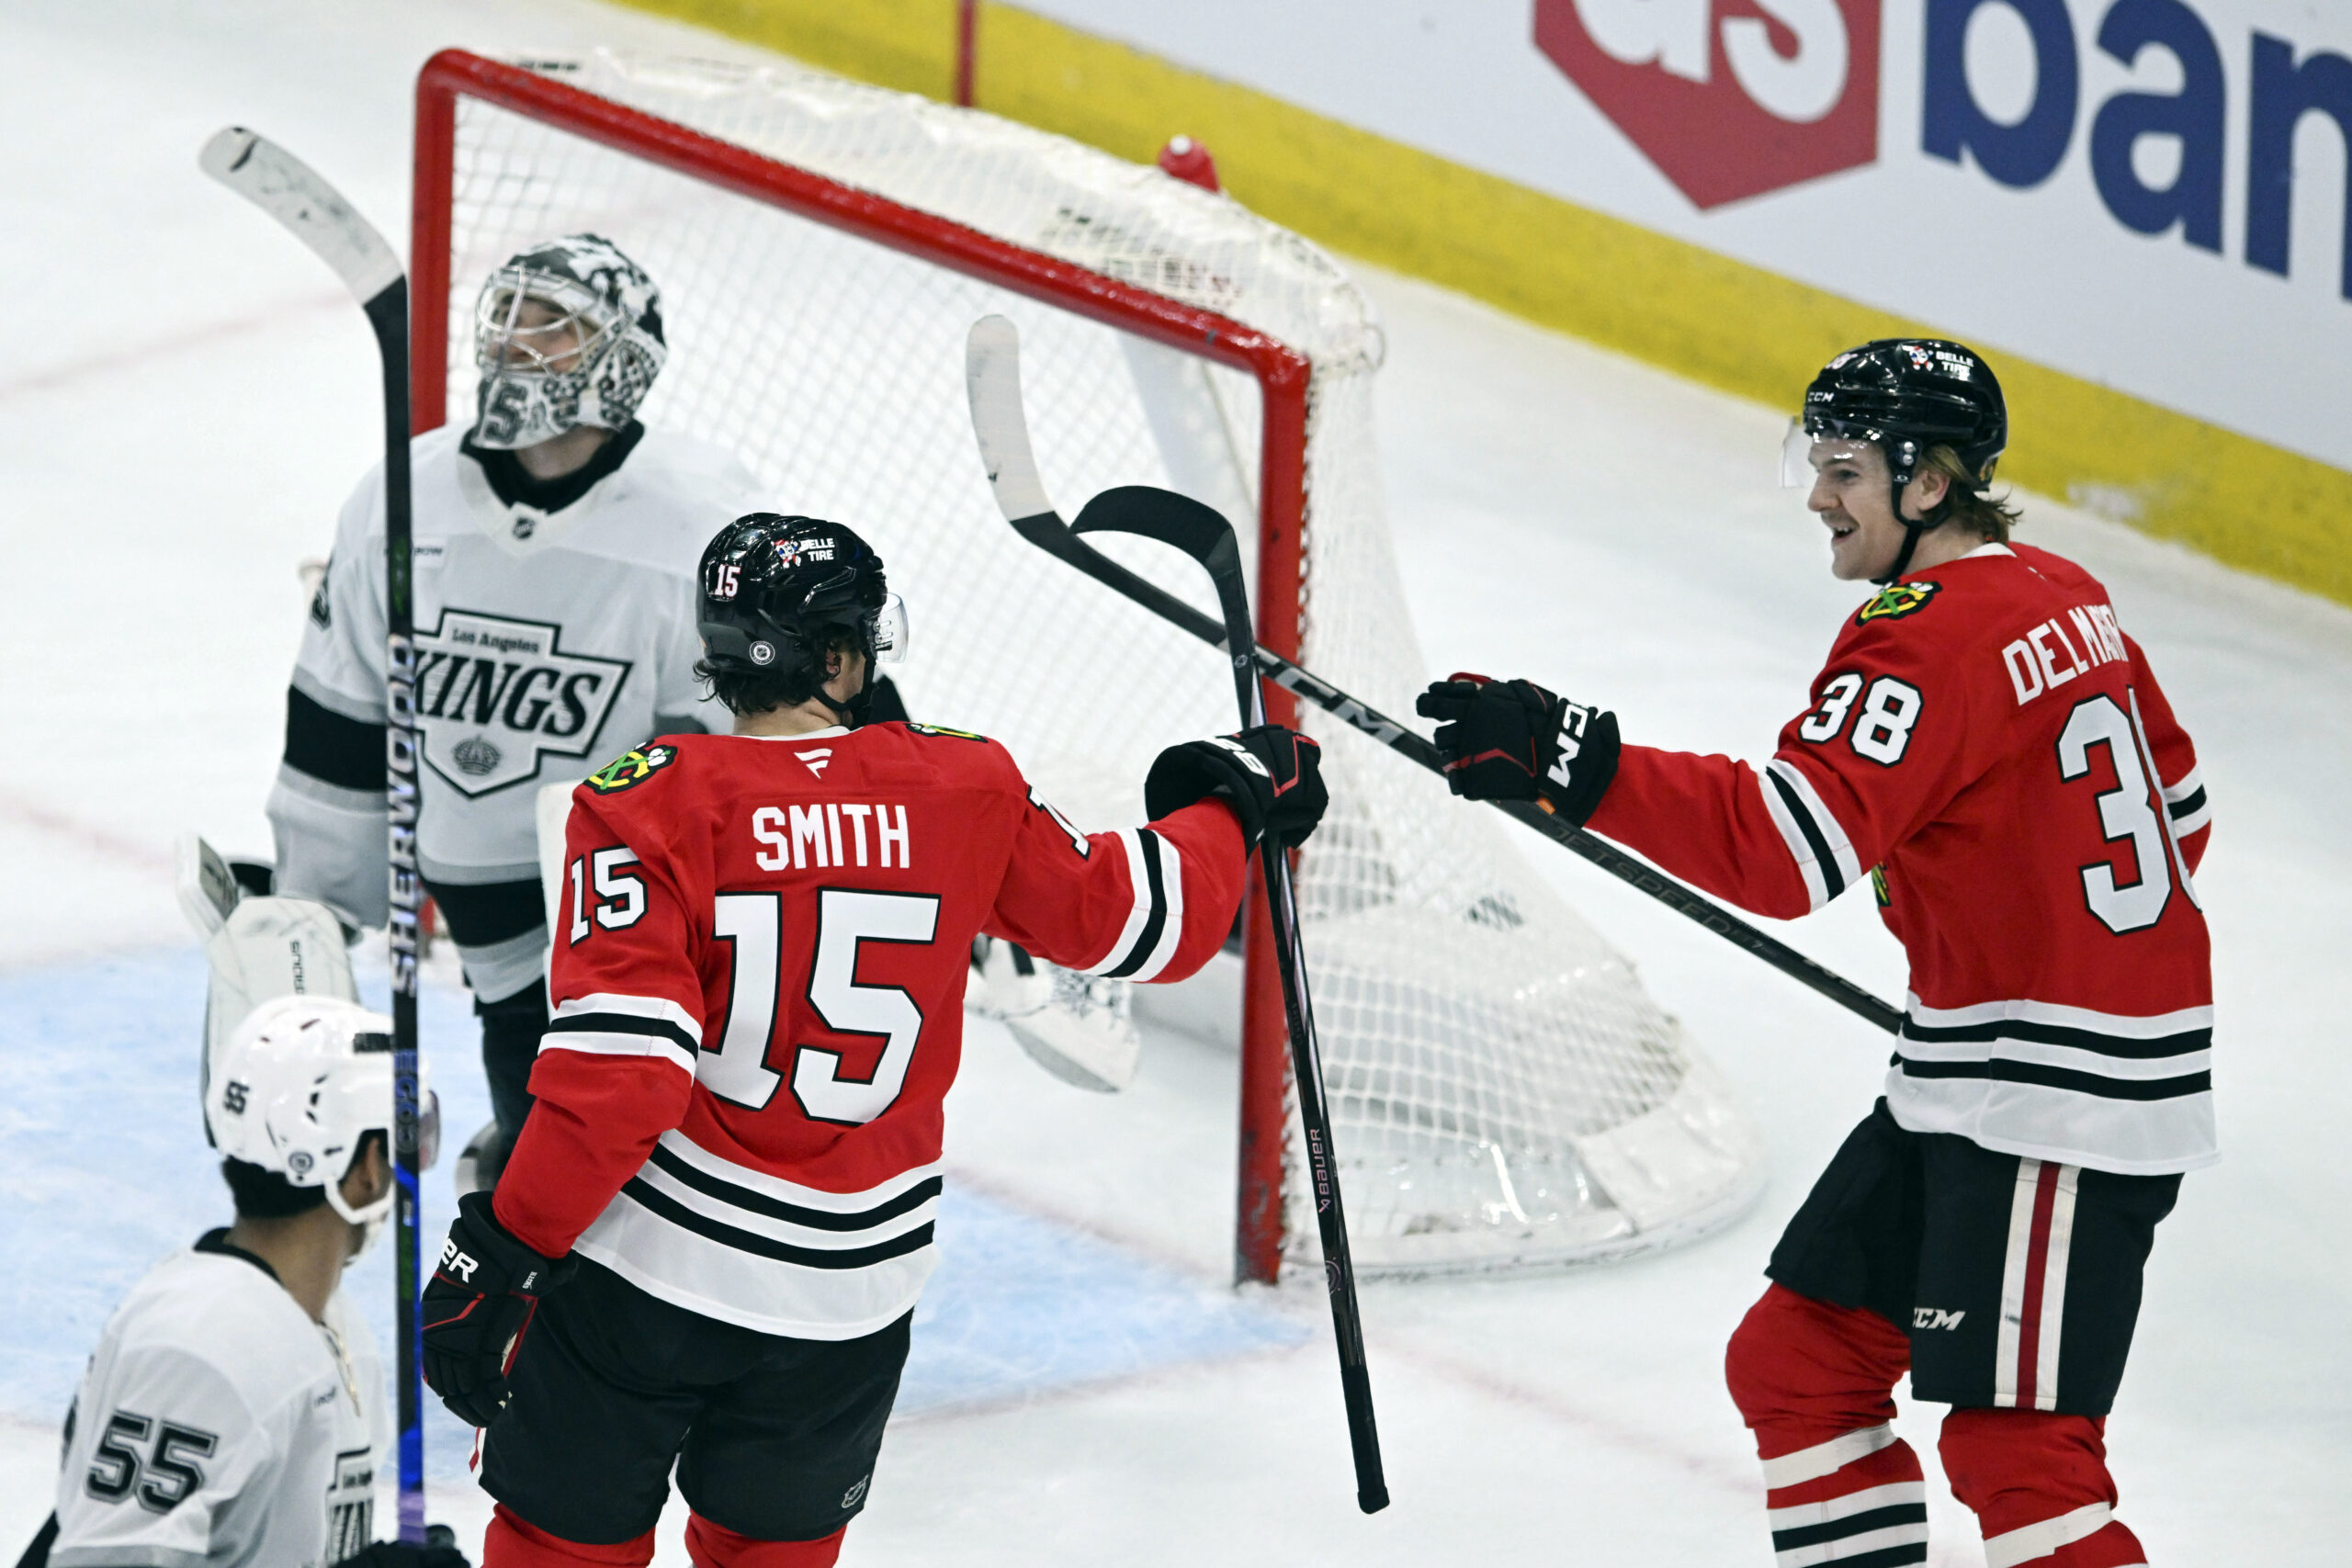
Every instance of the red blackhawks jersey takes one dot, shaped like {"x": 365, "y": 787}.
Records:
{"x": 1988, "y": 748}
{"x": 758, "y": 991}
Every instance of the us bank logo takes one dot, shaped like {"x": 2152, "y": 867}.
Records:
{"x": 1729, "y": 98}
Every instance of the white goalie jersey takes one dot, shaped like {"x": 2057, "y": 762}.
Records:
{"x": 219, "y": 1427}
{"x": 549, "y": 640}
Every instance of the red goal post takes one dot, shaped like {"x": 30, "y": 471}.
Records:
{"x": 1283, "y": 375}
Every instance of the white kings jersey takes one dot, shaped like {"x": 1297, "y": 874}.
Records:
{"x": 548, "y": 640}
{"x": 217, "y": 1426}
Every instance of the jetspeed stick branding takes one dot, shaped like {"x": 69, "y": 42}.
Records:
{"x": 1729, "y": 98}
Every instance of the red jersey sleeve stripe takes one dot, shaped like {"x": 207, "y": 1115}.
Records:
{"x": 2184, "y": 801}
{"x": 608, "y": 1025}
{"x": 658, "y": 1008}
{"x": 1825, "y": 856}
{"x": 1164, "y": 864}
{"x": 1148, "y": 920}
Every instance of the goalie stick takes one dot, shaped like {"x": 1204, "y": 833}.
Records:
{"x": 992, "y": 368}
{"x": 316, "y": 213}
{"x": 992, "y": 373}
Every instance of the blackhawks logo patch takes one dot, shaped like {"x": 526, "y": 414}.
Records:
{"x": 942, "y": 729}
{"x": 631, "y": 769}
{"x": 1898, "y": 600}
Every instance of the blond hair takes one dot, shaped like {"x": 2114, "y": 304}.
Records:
{"x": 1966, "y": 502}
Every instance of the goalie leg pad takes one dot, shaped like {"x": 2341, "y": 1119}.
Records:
{"x": 1080, "y": 1027}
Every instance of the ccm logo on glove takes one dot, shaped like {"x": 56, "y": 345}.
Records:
{"x": 1514, "y": 740}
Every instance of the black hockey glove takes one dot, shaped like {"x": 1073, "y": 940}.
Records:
{"x": 478, "y": 1306}
{"x": 1514, "y": 740}
{"x": 439, "y": 1551}
{"x": 1272, "y": 778}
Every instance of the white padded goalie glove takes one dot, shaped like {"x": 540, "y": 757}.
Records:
{"x": 1078, "y": 1027}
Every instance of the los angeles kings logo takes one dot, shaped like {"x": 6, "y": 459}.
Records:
{"x": 496, "y": 695}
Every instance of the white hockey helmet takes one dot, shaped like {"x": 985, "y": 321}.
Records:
{"x": 300, "y": 1083}
{"x": 589, "y": 354}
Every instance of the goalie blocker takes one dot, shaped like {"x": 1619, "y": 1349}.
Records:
{"x": 759, "y": 974}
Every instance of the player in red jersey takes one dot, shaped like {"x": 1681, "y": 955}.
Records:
{"x": 1987, "y": 747}
{"x": 716, "y": 1221}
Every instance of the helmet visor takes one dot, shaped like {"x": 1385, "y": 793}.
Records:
{"x": 890, "y": 631}
{"x": 1804, "y": 455}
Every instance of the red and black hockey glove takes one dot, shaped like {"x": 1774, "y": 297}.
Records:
{"x": 478, "y": 1306}
{"x": 1273, "y": 777}
{"x": 1514, "y": 740}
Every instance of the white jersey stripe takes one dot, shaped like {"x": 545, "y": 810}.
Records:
{"x": 2032, "y": 1543}
{"x": 2150, "y": 1026}
{"x": 661, "y": 1009}
{"x": 1846, "y": 1549}
{"x": 1798, "y": 1515}
{"x": 1171, "y": 919}
{"x": 1841, "y": 849}
{"x": 761, "y": 1184}
{"x": 1822, "y": 1459}
{"x": 598, "y": 1044}
{"x": 2055, "y": 1248}
{"x": 1139, "y": 881}
{"x": 1816, "y": 891}
{"x": 2008, "y": 1341}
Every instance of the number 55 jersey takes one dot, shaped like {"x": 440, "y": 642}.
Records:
{"x": 761, "y": 951}
{"x": 1989, "y": 751}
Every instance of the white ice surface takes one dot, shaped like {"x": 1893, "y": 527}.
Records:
{"x": 185, "y": 400}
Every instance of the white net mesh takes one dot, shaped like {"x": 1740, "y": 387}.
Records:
{"x": 1502, "y": 1089}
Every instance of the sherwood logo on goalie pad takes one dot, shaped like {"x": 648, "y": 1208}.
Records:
{"x": 494, "y": 696}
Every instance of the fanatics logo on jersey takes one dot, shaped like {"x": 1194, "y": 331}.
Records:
{"x": 494, "y": 696}
{"x": 1898, "y": 600}
{"x": 630, "y": 769}
{"x": 817, "y": 759}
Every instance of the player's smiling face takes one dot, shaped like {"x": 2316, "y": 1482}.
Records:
{"x": 1851, "y": 497}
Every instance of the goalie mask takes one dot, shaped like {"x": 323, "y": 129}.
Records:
{"x": 300, "y": 1084}
{"x": 779, "y": 593}
{"x": 565, "y": 335}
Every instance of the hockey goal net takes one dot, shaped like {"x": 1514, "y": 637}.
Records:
{"x": 1503, "y": 1091}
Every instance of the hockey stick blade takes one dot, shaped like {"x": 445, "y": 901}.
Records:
{"x": 310, "y": 209}
{"x": 998, "y": 421}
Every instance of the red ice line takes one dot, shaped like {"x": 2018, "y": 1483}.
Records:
{"x": 139, "y": 357}
{"x": 127, "y": 851}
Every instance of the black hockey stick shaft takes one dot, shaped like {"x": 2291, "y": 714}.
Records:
{"x": 315, "y": 213}
{"x": 1049, "y": 533}
{"x": 992, "y": 371}
{"x": 1204, "y": 535}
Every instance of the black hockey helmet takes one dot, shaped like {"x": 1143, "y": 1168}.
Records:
{"x": 779, "y": 593}
{"x": 1907, "y": 396}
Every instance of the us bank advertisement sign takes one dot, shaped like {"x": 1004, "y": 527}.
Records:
{"x": 2148, "y": 194}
